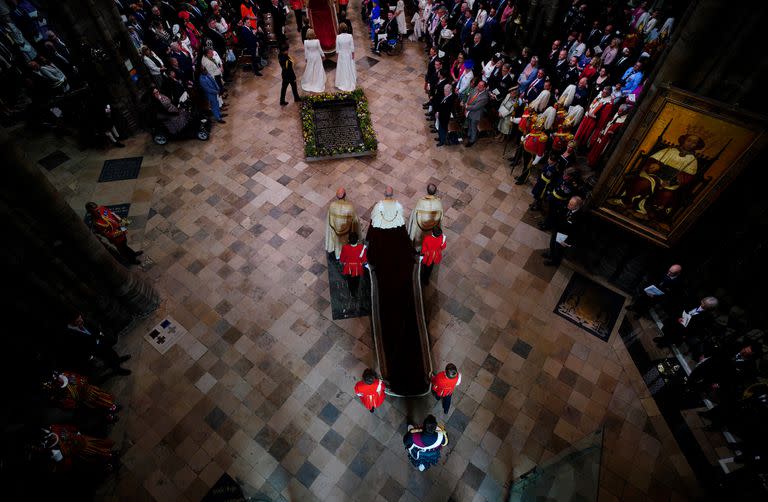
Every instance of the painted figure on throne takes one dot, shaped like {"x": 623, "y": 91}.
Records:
{"x": 664, "y": 179}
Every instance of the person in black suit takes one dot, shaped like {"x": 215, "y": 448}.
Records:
{"x": 437, "y": 95}
{"x": 694, "y": 326}
{"x": 390, "y": 31}
{"x": 431, "y": 73}
{"x": 560, "y": 69}
{"x": 553, "y": 56}
{"x": 622, "y": 64}
{"x": 568, "y": 223}
{"x": 289, "y": 76}
{"x": 443, "y": 113}
{"x": 252, "y": 43}
{"x": 278, "y": 19}
{"x": 594, "y": 35}
{"x": 535, "y": 88}
{"x": 82, "y": 344}
{"x": 670, "y": 284}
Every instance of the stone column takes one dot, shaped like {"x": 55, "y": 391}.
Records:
{"x": 50, "y": 248}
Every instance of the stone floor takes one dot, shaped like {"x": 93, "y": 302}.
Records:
{"x": 261, "y": 388}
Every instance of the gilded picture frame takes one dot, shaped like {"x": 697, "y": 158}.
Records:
{"x": 684, "y": 153}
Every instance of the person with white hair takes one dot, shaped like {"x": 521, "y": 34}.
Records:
{"x": 566, "y": 231}
{"x": 387, "y": 213}
{"x": 693, "y": 326}
{"x": 660, "y": 290}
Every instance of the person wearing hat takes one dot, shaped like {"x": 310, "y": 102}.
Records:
{"x": 462, "y": 85}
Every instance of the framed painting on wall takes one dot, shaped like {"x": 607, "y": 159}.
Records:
{"x": 687, "y": 150}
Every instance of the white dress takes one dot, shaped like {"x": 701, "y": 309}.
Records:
{"x": 401, "y": 17}
{"x": 313, "y": 79}
{"x": 346, "y": 74}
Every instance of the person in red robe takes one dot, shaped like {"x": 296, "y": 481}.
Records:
{"x": 606, "y": 136}
{"x": 353, "y": 258}
{"x": 370, "y": 390}
{"x": 444, "y": 383}
{"x": 111, "y": 227}
{"x": 71, "y": 390}
{"x": 597, "y": 115}
{"x": 431, "y": 252}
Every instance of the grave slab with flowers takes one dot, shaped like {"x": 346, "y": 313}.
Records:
{"x": 337, "y": 125}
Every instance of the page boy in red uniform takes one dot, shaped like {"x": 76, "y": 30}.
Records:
{"x": 431, "y": 252}
{"x": 353, "y": 258}
{"x": 444, "y": 383}
{"x": 370, "y": 390}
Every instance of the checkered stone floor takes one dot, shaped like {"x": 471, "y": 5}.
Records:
{"x": 261, "y": 385}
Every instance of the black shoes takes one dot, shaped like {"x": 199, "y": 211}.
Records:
{"x": 124, "y": 359}
{"x": 221, "y": 121}
{"x": 283, "y": 103}
{"x": 550, "y": 263}
{"x": 123, "y": 372}
{"x": 468, "y": 144}
{"x": 519, "y": 181}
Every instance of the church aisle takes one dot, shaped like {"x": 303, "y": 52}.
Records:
{"x": 262, "y": 388}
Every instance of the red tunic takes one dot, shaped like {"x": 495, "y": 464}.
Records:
{"x": 371, "y": 395}
{"x": 432, "y": 249}
{"x": 353, "y": 258}
{"x": 109, "y": 225}
{"x": 444, "y": 386}
{"x": 536, "y": 143}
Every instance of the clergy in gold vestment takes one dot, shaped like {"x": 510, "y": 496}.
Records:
{"x": 342, "y": 219}
{"x": 425, "y": 216}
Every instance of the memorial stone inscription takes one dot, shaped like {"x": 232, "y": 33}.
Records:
{"x": 336, "y": 124}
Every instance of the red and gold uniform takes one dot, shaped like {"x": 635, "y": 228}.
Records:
{"x": 71, "y": 390}
{"x": 535, "y": 142}
{"x": 68, "y": 448}
{"x": 371, "y": 395}
{"x": 562, "y": 137}
{"x": 109, "y": 225}
{"x": 527, "y": 119}
{"x": 353, "y": 257}
{"x": 432, "y": 249}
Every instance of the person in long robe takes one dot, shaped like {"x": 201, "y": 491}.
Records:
{"x": 595, "y": 118}
{"x": 666, "y": 174}
{"x": 346, "y": 74}
{"x": 400, "y": 16}
{"x": 427, "y": 214}
{"x": 387, "y": 213}
{"x": 342, "y": 219}
{"x": 313, "y": 79}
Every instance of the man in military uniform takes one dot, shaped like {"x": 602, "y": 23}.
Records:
{"x": 425, "y": 216}
{"x": 566, "y": 231}
{"x": 549, "y": 173}
{"x": 387, "y": 213}
{"x": 342, "y": 219}
{"x": 567, "y": 187}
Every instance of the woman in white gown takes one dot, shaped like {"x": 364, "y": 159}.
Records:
{"x": 313, "y": 79}
{"x": 400, "y": 16}
{"x": 346, "y": 74}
